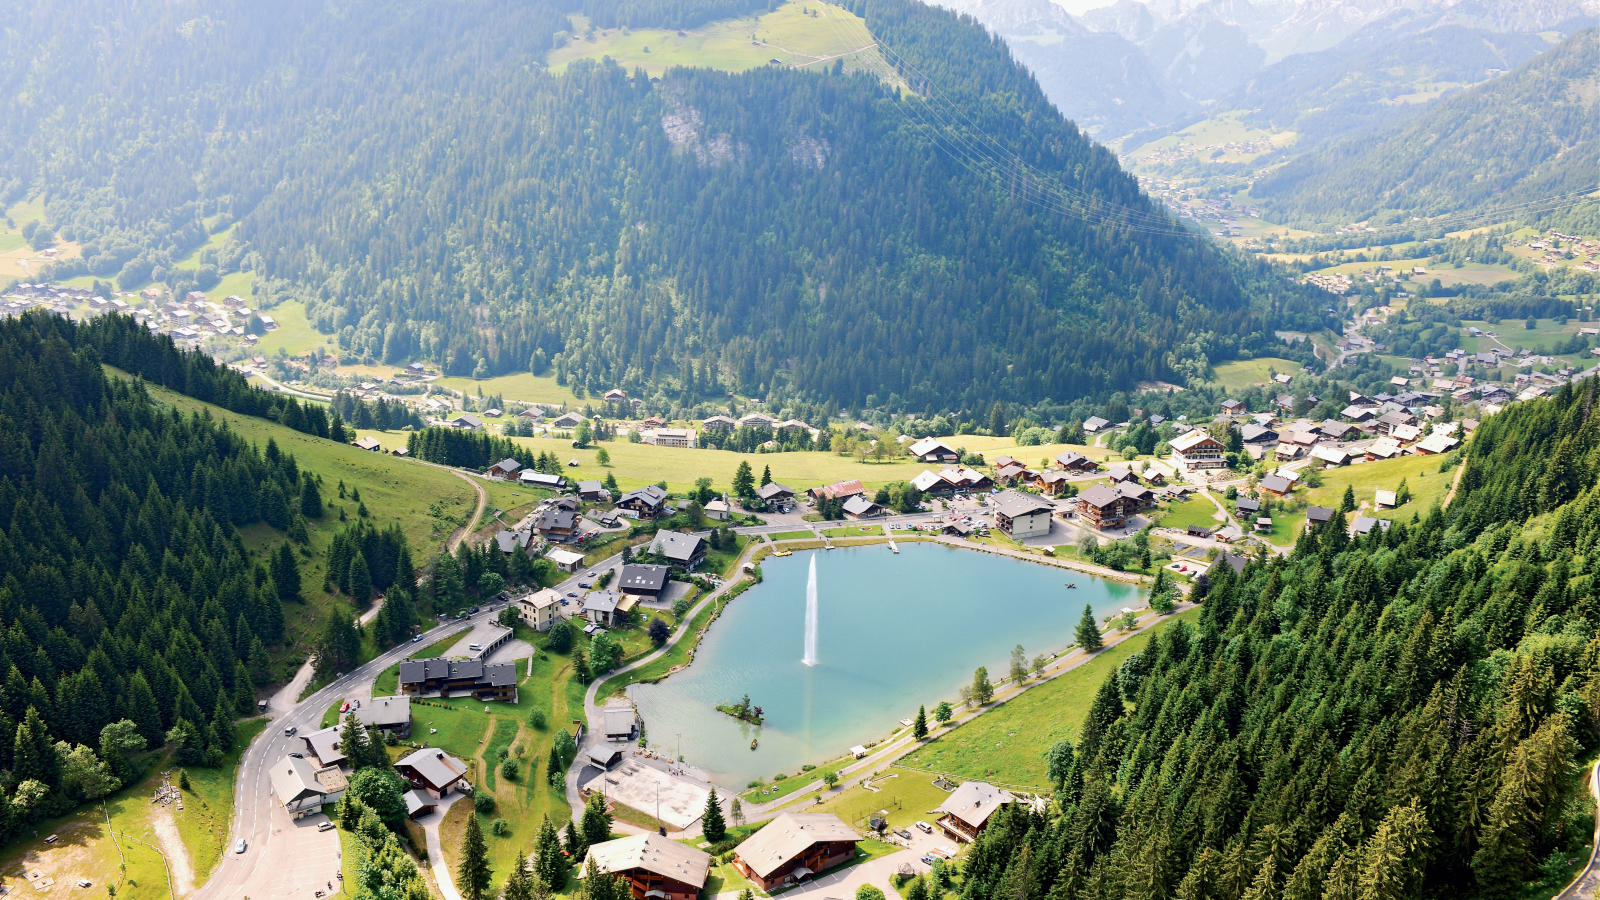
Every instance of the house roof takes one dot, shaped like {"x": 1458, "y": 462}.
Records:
{"x": 1246, "y": 504}
{"x": 842, "y": 489}
{"x": 324, "y": 745}
{"x": 1013, "y": 505}
{"x": 651, "y": 853}
{"x": 510, "y": 541}
{"x": 1099, "y": 496}
{"x": 1318, "y": 514}
{"x": 1189, "y": 440}
{"x": 788, "y": 836}
{"x": 638, "y": 577}
{"x": 1095, "y": 423}
{"x": 367, "y": 443}
{"x": 676, "y": 547}
{"x": 507, "y": 465}
{"x": 774, "y": 489}
{"x": 974, "y": 802}
{"x": 438, "y": 768}
{"x": 619, "y": 719}
{"x": 1276, "y": 483}
{"x": 1365, "y": 524}
{"x": 296, "y": 779}
{"x": 1330, "y": 454}
{"x": 1234, "y": 561}
{"x": 1070, "y": 458}
{"x": 929, "y": 480}
{"x": 931, "y": 445}
{"x": 468, "y": 419}
{"x": 859, "y": 505}
{"x": 529, "y": 476}
{"x": 381, "y": 712}
{"x": 416, "y": 801}
{"x": 650, "y": 495}
{"x": 1254, "y": 433}
{"x": 1438, "y": 443}
{"x": 542, "y": 599}
{"x": 601, "y": 601}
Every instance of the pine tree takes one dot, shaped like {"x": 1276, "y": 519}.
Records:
{"x": 766, "y": 476}
{"x": 919, "y": 728}
{"x": 1088, "y": 633}
{"x": 310, "y": 498}
{"x": 519, "y": 881}
{"x": 744, "y": 483}
{"x": 555, "y": 772}
{"x": 711, "y": 823}
{"x": 548, "y": 863}
{"x": 473, "y": 872}
{"x": 576, "y": 847}
{"x": 596, "y": 823}
{"x": 286, "y": 573}
{"x": 360, "y": 579}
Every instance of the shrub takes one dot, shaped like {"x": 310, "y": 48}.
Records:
{"x": 500, "y": 827}
{"x": 483, "y": 803}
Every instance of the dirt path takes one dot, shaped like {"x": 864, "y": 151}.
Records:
{"x": 472, "y": 524}
{"x": 178, "y": 862}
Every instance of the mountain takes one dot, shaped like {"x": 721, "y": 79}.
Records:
{"x": 1203, "y": 54}
{"x": 1532, "y": 133}
{"x": 429, "y": 190}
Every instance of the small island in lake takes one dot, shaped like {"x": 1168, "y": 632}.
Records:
{"x": 742, "y": 710}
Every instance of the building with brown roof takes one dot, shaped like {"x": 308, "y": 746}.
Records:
{"x": 654, "y": 867}
{"x": 794, "y": 847}
{"x": 966, "y": 812}
{"x": 1101, "y": 507}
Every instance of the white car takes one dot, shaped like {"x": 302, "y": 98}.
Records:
{"x": 926, "y": 828}
{"x": 474, "y": 646}
{"x": 240, "y": 847}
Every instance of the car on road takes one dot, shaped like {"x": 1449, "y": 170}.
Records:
{"x": 584, "y": 584}
{"x": 416, "y": 639}
{"x": 474, "y": 610}
{"x": 325, "y": 826}
{"x": 474, "y": 646}
{"x": 289, "y": 732}
{"x": 298, "y": 755}
{"x": 572, "y": 594}
{"x": 926, "y": 828}
{"x": 240, "y": 847}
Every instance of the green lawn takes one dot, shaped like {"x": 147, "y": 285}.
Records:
{"x": 1242, "y": 373}
{"x": 777, "y": 790}
{"x": 1196, "y": 510}
{"x": 1007, "y": 743}
{"x": 794, "y": 536}
{"x": 845, "y": 531}
{"x": 1421, "y": 473}
{"x": 212, "y": 242}
{"x": 907, "y": 797}
{"x": 521, "y": 386}
{"x": 787, "y": 34}
{"x": 294, "y": 334}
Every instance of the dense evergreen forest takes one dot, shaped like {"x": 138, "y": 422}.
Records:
{"x": 1391, "y": 717}
{"x": 126, "y": 591}
{"x": 414, "y": 174}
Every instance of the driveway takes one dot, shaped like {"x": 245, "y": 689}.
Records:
{"x": 436, "y": 861}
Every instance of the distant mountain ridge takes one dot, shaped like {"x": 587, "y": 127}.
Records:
{"x": 1532, "y": 133}
{"x": 1132, "y": 66}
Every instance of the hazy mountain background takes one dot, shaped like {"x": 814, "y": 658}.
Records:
{"x": 1137, "y": 70}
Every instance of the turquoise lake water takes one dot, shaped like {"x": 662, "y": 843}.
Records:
{"x": 894, "y": 631}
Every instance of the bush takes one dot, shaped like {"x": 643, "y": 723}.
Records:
{"x": 868, "y": 892}
{"x": 509, "y": 769}
{"x": 500, "y": 827}
{"x": 537, "y": 719}
{"x": 483, "y": 803}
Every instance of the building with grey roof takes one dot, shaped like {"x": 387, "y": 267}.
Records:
{"x": 457, "y": 678}
{"x": 434, "y": 771}
{"x": 681, "y": 551}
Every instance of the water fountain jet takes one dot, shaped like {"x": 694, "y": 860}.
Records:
{"x": 810, "y": 658}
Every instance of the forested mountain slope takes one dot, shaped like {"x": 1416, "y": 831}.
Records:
{"x": 414, "y": 174}
{"x": 1529, "y": 134}
{"x": 1395, "y": 716}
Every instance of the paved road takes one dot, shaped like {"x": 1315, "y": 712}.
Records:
{"x": 1587, "y": 883}
{"x": 286, "y": 858}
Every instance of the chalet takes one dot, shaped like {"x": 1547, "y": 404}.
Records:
{"x": 1118, "y": 475}
{"x": 614, "y": 395}
{"x": 1247, "y": 506}
{"x": 466, "y": 422}
{"x": 1142, "y": 497}
{"x": 1234, "y": 561}
{"x": 434, "y": 771}
{"x": 1332, "y": 456}
{"x": 931, "y": 450}
{"x": 1071, "y": 461}
{"x": 859, "y": 507}
{"x": 1365, "y": 524}
{"x": 604, "y": 608}
{"x": 1257, "y": 434}
{"x": 775, "y": 493}
{"x": 304, "y": 789}
{"x": 1385, "y": 499}
{"x": 539, "y": 609}
{"x": 1384, "y": 448}
{"x": 838, "y": 490}
{"x": 1010, "y": 473}
{"x": 556, "y": 523}
{"x": 505, "y": 468}
{"x": 1434, "y": 444}
{"x": 446, "y": 678}
{"x": 1100, "y": 507}
{"x": 654, "y": 867}
{"x": 1357, "y": 413}
{"x": 1198, "y": 450}
{"x": 756, "y": 420}
{"x": 1336, "y": 431}
{"x": 511, "y": 541}
{"x": 794, "y": 847}
{"x": 645, "y": 503}
{"x": 967, "y": 811}
{"x": 1051, "y": 482}
{"x": 1095, "y": 424}
{"x": 1392, "y": 419}
{"x": 1233, "y": 407}
{"x": 619, "y": 723}
{"x": 1264, "y": 525}
{"x": 1405, "y": 435}
{"x": 419, "y": 804}
{"x": 681, "y": 551}
{"x": 653, "y": 422}
{"x": 642, "y": 580}
{"x": 567, "y": 420}
{"x": 390, "y": 715}
{"x": 564, "y": 560}
{"x": 1023, "y": 515}
{"x": 324, "y": 745}
{"x": 717, "y": 423}
{"x": 591, "y": 490}
{"x": 1318, "y": 515}
{"x": 1277, "y": 485}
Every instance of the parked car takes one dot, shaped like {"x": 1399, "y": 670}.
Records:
{"x": 926, "y": 828}
{"x": 474, "y": 646}
{"x": 298, "y": 755}
{"x": 927, "y": 860}
{"x": 325, "y": 826}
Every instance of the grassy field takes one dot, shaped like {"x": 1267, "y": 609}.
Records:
{"x": 212, "y": 242}
{"x": 87, "y": 849}
{"x": 794, "y": 34}
{"x": 521, "y": 386}
{"x": 1421, "y": 473}
{"x": 1007, "y": 744}
{"x": 428, "y": 503}
{"x": 1514, "y": 332}
{"x": 1196, "y": 511}
{"x": 905, "y": 797}
{"x": 793, "y": 535}
{"x": 1224, "y": 128}
{"x": 294, "y": 333}
{"x": 1242, "y": 373}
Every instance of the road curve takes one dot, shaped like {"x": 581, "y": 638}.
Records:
{"x": 1586, "y": 885}
{"x": 472, "y": 524}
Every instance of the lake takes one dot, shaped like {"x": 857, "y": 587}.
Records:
{"x": 894, "y": 631}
